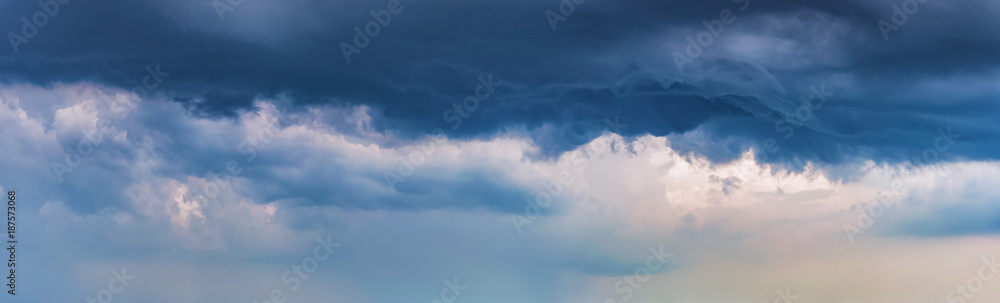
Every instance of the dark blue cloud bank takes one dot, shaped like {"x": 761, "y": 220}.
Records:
{"x": 603, "y": 60}
{"x": 537, "y": 151}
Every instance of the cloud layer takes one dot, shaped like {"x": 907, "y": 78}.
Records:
{"x": 511, "y": 225}
{"x": 604, "y": 60}
{"x": 553, "y": 151}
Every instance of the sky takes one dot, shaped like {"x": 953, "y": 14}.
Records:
{"x": 502, "y": 151}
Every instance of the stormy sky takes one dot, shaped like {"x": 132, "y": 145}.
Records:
{"x": 536, "y": 151}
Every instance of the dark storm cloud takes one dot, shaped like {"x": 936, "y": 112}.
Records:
{"x": 607, "y": 59}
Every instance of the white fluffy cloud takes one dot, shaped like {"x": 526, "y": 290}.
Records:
{"x": 146, "y": 198}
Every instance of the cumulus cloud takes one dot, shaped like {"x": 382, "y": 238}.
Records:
{"x": 179, "y": 196}
{"x": 799, "y": 145}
